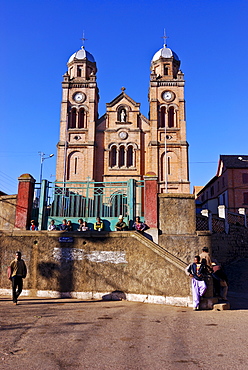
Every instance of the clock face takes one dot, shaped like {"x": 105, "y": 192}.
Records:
{"x": 168, "y": 95}
{"x": 123, "y": 135}
{"x": 79, "y": 97}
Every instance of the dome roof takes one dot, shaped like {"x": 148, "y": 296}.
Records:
{"x": 82, "y": 54}
{"x": 164, "y": 53}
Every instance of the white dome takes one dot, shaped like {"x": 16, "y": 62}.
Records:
{"x": 82, "y": 54}
{"x": 164, "y": 53}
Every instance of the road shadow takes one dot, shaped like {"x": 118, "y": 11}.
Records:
{"x": 55, "y": 302}
{"x": 238, "y": 301}
{"x": 48, "y": 301}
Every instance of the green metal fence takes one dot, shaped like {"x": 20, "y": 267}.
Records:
{"x": 89, "y": 200}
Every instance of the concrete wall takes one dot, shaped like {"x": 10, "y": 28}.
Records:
{"x": 7, "y": 211}
{"x": 125, "y": 261}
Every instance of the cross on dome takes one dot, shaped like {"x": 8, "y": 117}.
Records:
{"x": 165, "y": 37}
{"x": 165, "y": 52}
{"x": 83, "y": 39}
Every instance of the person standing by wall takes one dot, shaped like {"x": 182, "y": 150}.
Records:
{"x": 205, "y": 254}
{"x": 17, "y": 271}
{"x": 198, "y": 284}
{"x": 220, "y": 281}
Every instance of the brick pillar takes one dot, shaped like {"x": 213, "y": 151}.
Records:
{"x": 150, "y": 200}
{"x": 24, "y": 201}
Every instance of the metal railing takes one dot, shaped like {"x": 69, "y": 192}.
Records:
{"x": 218, "y": 224}
{"x": 89, "y": 199}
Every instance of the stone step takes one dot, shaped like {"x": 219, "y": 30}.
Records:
{"x": 207, "y": 303}
{"x": 221, "y": 306}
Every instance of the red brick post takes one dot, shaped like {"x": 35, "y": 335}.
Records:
{"x": 151, "y": 200}
{"x": 24, "y": 201}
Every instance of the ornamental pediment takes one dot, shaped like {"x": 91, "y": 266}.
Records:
{"x": 123, "y": 98}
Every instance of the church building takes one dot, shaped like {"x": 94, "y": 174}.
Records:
{"x": 123, "y": 144}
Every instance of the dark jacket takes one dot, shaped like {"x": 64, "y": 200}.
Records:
{"x": 192, "y": 269}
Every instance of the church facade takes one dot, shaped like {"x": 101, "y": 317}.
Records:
{"x": 124, "y": 144}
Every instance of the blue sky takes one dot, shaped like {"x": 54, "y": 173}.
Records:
{"x": 37, "y": 38}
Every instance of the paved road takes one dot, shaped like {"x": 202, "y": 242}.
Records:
{"x": 67, "y": 333}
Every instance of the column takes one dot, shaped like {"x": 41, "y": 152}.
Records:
{"x": 24, "y": 201}
{"x": 151, "y": 206}
{"x": 150, "y": 201}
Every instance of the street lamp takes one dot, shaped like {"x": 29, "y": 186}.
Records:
{"x": 42, "y": 158}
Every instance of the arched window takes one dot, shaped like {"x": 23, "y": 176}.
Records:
{"x": 162, "y": 117}
{"x": 118, "y": 204}
{"x": 113, "y": 157}
{"x": 75, "y": 165}
{"x": 166, "y": 69}
{"x": 130, "y": 160}
{"x": 168, "y": 168}
{"x": 122, "y": 156}
{"x": 79, "y": 71}
{"x": 162, "y": 172}
{"x": 81, "y": 118}
{"x": 72, "y": 118}
{"x": 171, "y": 117}
{"x": 169, "y": 165}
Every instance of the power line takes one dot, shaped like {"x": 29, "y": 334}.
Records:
{"x": 7, "y": 183}
{"x": 18, "y": 152}
{"x": 7, "y": 189}
{"x": 8, "y": 178}
{"x": 15, "y": 155}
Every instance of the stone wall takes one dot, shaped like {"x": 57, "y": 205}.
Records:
{"x": 177, "y": 214}
{"x": 227, "y": 248}
{"x": 94, "y": 262}
{"x": 185, "y": 247}
{"x": 7, "y": 211}
{"x": 177, "y": 227}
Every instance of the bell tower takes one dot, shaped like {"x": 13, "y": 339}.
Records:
{"x": 79, "y": 110}
{"x": 168, "y": 148}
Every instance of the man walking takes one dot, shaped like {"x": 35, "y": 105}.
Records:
{"x": 16, "y": 272}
